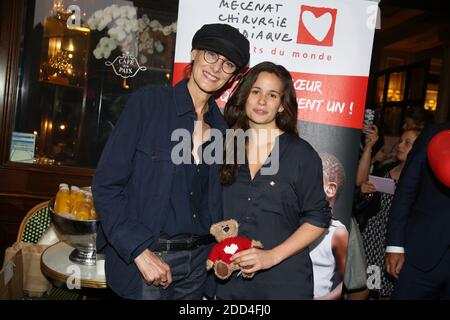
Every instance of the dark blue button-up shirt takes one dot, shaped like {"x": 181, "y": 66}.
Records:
{"x": 135, "y": 176}
{"x": 188, "y": 212}
{"x": 270, "y": 208}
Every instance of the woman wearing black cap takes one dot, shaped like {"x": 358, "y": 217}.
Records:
{"x": 155, "y": 215}
{"x": 277, "y": 195}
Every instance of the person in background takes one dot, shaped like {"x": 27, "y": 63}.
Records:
{"x": 328, "y": 253}
{"x": 367, "y": 159}
{"x": 416, "y": 117}
{"x": 374, "y": 231}
{"x": 418, "y": 237}
{"x": 285, "y": 209}
{"x": 155, "y": 215}
{"x": 375, "y": 153}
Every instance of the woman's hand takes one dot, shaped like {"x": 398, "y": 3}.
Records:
{"x": 154, "y": 270}
{"x": 368, "y": 187}
{"x": 371, "y": 136}
{"x": 252, "y": 260}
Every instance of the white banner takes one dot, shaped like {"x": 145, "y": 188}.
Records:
{"x": 327, "y": 47}
{"x": 325, "y": 44}
{"x": 322, "y": 37}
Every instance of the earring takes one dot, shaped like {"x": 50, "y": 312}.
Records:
{"x": 329, "y": 190}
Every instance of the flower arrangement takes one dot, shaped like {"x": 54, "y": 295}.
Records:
{"x": 134, "y": 36}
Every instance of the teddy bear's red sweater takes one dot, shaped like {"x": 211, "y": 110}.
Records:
{"x": 228, "y": 247}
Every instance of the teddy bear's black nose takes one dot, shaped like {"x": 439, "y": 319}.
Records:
{"x": 226, "y": 229}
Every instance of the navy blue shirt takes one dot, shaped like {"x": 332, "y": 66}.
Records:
{"x": 135, "y": 177}
{"x": 270, "y": 208}
{"x": 188, "y": 212}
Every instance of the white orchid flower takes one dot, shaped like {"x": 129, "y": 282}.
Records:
{"x": 108, "y": 12}
{"x": 92, "y": 23}
{"x": 159, "y": 46}
{"x": 143, "y": 59}
{"x": 98, "y": 14}
{"x": 107, "y": 44}
{"x": 98, "y": 53}
{"x": 107, "y": 54}
{"x": 113, "y": 33}
{"x": 103, "y": 23}
{"x": 123, "y": 11}
{"x": 121, "y": 22}
{"x": 134, "y": 25}
{"x": 174, "y": 27}
{"x": 155, "y": 25}
{"x": 141, "y": 25}
{"x": 167, "y": 30}
{"x": 131, "y": 12}
{"x": 116, "y": 12}
{"x": 121, "y": 35}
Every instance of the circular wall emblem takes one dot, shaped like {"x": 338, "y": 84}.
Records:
{"x": 126, "y": 66}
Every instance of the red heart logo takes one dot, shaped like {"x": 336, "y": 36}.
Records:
{"x": 439, "y": 156}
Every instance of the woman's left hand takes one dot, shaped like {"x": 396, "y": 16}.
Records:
{"x": 252, "y": 260}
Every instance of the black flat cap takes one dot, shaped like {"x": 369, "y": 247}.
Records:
{"x": 225, "y": 40}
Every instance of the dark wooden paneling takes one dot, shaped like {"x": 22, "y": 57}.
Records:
{"x": 22, "y": 186}
{"x": 39, "y": 183}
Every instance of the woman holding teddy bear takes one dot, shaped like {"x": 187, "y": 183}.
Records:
{"x": 276, "y": 194}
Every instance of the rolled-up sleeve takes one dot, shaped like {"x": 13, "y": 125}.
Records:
{"x": 313, "y": 204}
{"x": 122, "y": 230}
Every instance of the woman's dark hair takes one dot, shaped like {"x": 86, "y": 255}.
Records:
{"x": 236, "y": 117}
{"x": 417, "y": 131}
{"x": 419, "y": 115}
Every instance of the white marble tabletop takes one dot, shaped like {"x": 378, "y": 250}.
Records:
{"x": 56, "y": 265}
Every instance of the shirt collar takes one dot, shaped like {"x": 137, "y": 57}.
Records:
{"x": 183, "y": 99}
{"x": 184, "y": 105}
{"x": 283, "y": 141}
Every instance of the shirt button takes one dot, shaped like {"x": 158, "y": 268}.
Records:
{"x": 249, "y": 199}
{"x": 194, "y": 215}
{"x": 191, "y": 193}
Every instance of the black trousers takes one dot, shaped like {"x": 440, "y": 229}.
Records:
{"x": 415, "y": 284}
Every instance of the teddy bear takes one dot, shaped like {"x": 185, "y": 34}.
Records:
{"x": 228, "y": 243}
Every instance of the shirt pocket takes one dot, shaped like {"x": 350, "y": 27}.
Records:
{"x": 154, "y": 170}
{"x": 155, "y": 154}
{"x": 278, "y": 196}
{"x": 279, "y": 205}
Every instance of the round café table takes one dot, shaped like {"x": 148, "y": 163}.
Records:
{"x": 55, "y": 264}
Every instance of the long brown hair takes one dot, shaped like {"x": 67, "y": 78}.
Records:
{"x": 236, "y": 117}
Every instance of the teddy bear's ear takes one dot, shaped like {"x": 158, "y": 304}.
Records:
{"x": 213, "y": 229}
{"x": 236, "y": 224}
